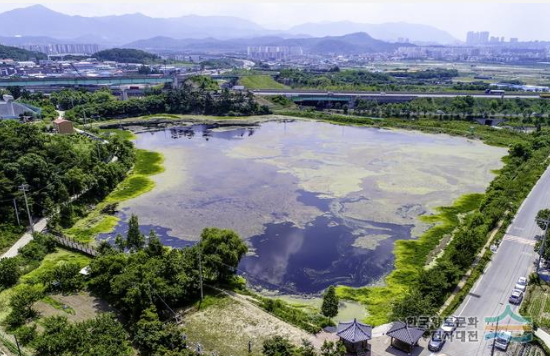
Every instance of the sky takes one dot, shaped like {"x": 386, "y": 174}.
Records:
{"x": 526, "y": 21}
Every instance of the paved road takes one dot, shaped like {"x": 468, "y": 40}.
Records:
{"x": 25, "y": 239}
{"x": 513, "y": 259}
{"x": 509, "y": 95}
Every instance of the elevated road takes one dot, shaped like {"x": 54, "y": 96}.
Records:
{"x": 336, "y": 94}
{"x": 514, "y": 258}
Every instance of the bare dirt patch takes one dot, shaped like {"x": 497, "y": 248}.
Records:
{"x": 227, "y": 326}
{"x": 80, "y": 306}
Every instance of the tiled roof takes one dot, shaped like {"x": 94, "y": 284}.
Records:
{"x": 354, "y": 331}
{"x": 402, "y": 332}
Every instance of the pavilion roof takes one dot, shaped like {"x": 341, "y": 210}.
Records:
{"x": 354, "y": 331}
{"x": 405, "y": 333}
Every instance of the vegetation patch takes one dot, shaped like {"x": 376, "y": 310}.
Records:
{"x": 123, "y": 134}
{"x": 138, "y": 182}
{"x": 58, "y": 305}
{"x": 53, "y": 260}
{"x": 410, "y": 258}
{"x": 261, "y": 81}
{"x": 537, "y": 303}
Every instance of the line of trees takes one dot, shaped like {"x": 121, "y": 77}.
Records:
{"x": 460, "y": 107}
{"x": 189, "y": 99}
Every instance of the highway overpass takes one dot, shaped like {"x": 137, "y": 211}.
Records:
{"x": 83, "y": 81}
{"x": 337, "y": 95}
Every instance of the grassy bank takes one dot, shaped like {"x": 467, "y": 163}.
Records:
{"x": 260, "y": 81}
{"x": 138, "y": 182}
{"x": 410, "y": 257}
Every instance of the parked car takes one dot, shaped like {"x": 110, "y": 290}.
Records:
{"x": 503, "y": 340}
{"x": 516, "y": 297}
{"x": 449, "y": 325}
{"x": 439, "y": 337}
{"x": 521, "y": 284}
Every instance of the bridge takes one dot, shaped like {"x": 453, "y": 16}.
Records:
{"x": 84, "y": 81}
{"x": 323, "y": 95}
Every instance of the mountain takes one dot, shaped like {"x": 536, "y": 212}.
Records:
{"x": 39, "y": 20}
{"x": 385, "y": 31}
{"x": 355, "y": 43}
{"x": 19, "y": 54}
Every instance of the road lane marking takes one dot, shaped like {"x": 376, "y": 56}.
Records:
{"x": 521, "y": 240}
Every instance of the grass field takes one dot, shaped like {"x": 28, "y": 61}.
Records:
{"x": 124, "y": 134}
{"x": 537, "y": 304}
{"x": 147, "y": 163}
{"x": 51, "y": 261}
{"x": 259, "y": 81}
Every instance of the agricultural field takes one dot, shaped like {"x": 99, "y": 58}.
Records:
{"x": 537, "y": 304}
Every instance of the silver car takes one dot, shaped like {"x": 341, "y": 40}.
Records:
{"x": 521, "y": 284}
{"x": 516, "y": 297}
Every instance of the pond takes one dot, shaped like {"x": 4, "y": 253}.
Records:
{"x": 318, "y": 204}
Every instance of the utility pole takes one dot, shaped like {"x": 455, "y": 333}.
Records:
{"x": 16, "y": 212}
{"x": 25, "y": 188}
{"x": 18, "y": 347}
{"x": 541, "y": 250}
{"x": 494, "y": 340}
{"x": 200, "y": 275}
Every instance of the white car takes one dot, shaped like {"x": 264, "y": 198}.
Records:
{"x": 449, "y": 325}
{"x": 521, "y": 284}
{"x": 502, "y": 340}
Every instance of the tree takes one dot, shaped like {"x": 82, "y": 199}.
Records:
{"x": 277, "y": 346}
{"x": 154, "y": 246}
{"x": 413, "y": 304}
{"x": 329, "y": 308}
{"x": 543, "y": 216}
{"x": 222, "y": 251}
{"x": 331, "y": 348}
{"x": 134, "y": 239}
{"x": 9, "y": 272}
{"x": 22, "y": 302}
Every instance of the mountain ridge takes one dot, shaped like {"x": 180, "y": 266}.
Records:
{"x": 114, "y": 30}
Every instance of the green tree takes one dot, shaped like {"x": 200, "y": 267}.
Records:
{"x": 543, "y": 216}
{"x": 21, "y": 303}
{"x": 277, "y": 346}
{"x": 154, "y": 246}
{"x": 331, "y": 348}
{"x": 329, "y": 308}
{"x": 222, "y": 251}
{"x": 9, "y": 272}
{"x": 134, "y": 239}
{"x": 413, "y": 304}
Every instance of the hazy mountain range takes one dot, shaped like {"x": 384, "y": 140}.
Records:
{"x": 40, "y": 22}
{"x": 354, "y": 43}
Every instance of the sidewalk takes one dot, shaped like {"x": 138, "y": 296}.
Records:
{"x": 25, "y": 239}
